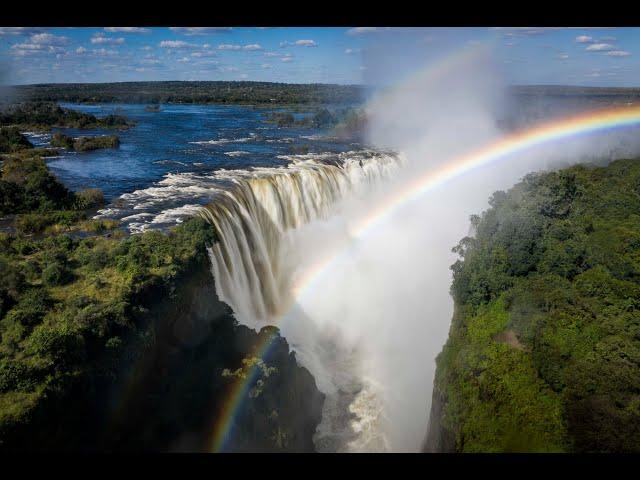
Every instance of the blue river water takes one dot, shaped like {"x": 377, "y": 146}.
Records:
{"x": 178, "y": 139}
{"x": 169, "y": 163}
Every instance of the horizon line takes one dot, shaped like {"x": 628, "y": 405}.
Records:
{"x": 541, "y": 85}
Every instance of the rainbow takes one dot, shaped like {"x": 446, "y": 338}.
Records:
{"x": 582, "y": 124}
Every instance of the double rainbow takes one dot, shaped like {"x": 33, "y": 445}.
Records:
{"x": 582, "y": 124}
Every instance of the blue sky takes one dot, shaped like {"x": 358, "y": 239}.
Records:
{"x": 526, "y": 55}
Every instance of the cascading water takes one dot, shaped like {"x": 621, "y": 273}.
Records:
{"x": 254, "y": 273}
{"x": 253, "y": 216}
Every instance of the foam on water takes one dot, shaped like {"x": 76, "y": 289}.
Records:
{"x": 237, "y": 153}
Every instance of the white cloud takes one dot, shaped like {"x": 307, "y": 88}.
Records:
{"x": 100, "y": 39}
{"x": 206, "y": 62}
{"x": 20, "y": 30}
{"x": 306, "y": 43}
{"x": 103, "y": 52}
{"x": 600, "y": 47}
{"x": 203, "y": 54}
{"x": 228, "y": 46}
{"x": 126, "y": 30}
{"x": 253, "y": 46}
{"x": 299, "y": 43}
{"x": 618, "y": 53}
{"x": 199, "y": 30}
{"x": 48, "y": 39}
{"x": 26, "y": 46}
{"x": 352, "y": 51}
{"x": 81, "y": 50}
{"x": 176, "y": 44}
{"x": 511, "y": 31}
{"x": 563, "y": 56}
{"x": 584, "y": 39}
{"x": 287, "y": 59}
{"x": 363, "y": 30}
{"x": 366, "y": 30}
{"x": 146, "y": 47}
{"x": 23, "y": 49}
{"x": 265, "y": 65}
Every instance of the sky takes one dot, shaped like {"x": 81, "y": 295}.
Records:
{"x": 358, "y": 55}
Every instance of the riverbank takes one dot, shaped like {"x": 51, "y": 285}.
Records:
{"x": 118, "y": 342}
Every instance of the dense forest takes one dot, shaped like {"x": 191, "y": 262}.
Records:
{"x": 117, "y": 342}
{"x": 36, "y": 115}
{"x": 248, "y": 93}
{"x": 84, "y": 144}
{"x": 544, "y": 348}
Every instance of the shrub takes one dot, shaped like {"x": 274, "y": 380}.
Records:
{"x": 89, "y": 198}
{"x": 55, "y": 273}
{"x": 62, "y": 141}
{"x": 11, "y": 140}
{"x": 86, "y": 144}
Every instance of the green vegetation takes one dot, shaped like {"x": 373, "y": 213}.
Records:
{"x": 26, "y": 185}
{"x": 69, "y": 308}
{"x": 60, "y": 140}
{"x": 113, "y": 342}
{"x": 282, "y": 119}
{"x": 246, "y": 93}
{"x": 89, "y": 198}
{"x": 40, "y": 115}
{"x": 344, "y": 121}
{"x": 84, "y": 144}
{"x": 544, "y": 347}
{"x": 116, "y": 342}
{"x": 11, "y": 140}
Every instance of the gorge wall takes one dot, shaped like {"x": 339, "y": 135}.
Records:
{"x": 159, "y": 383}
{"x": 543, "y": 352}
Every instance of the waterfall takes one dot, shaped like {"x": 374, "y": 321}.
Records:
{"x": 257, "y": 219}
{"x": 252, "y": 216}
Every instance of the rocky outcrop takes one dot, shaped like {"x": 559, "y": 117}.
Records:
{"x": 184, "y": 382}
{"x": 169, "y": 389}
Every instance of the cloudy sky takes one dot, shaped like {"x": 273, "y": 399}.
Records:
{"x": 527, "y": 55}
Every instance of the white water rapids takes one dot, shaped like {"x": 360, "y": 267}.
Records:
{"x": 257, "y": 219}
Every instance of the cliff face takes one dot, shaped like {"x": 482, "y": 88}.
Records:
{"x": 543, "y": 352}
{"x": 439, "y": 439}
{"x": 171, "y": 380}
{"x": 181, "y": 385}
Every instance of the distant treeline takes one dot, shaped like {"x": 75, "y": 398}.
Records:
{"x": 45, "y": 115}
{"x": 570, "y": 90}
{"x": 251, "y": 92}
{"x": 193, "y": 92}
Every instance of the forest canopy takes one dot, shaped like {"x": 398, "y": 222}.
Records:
{"x": 193, "y": 92}
{"x": 544, "y": 348}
